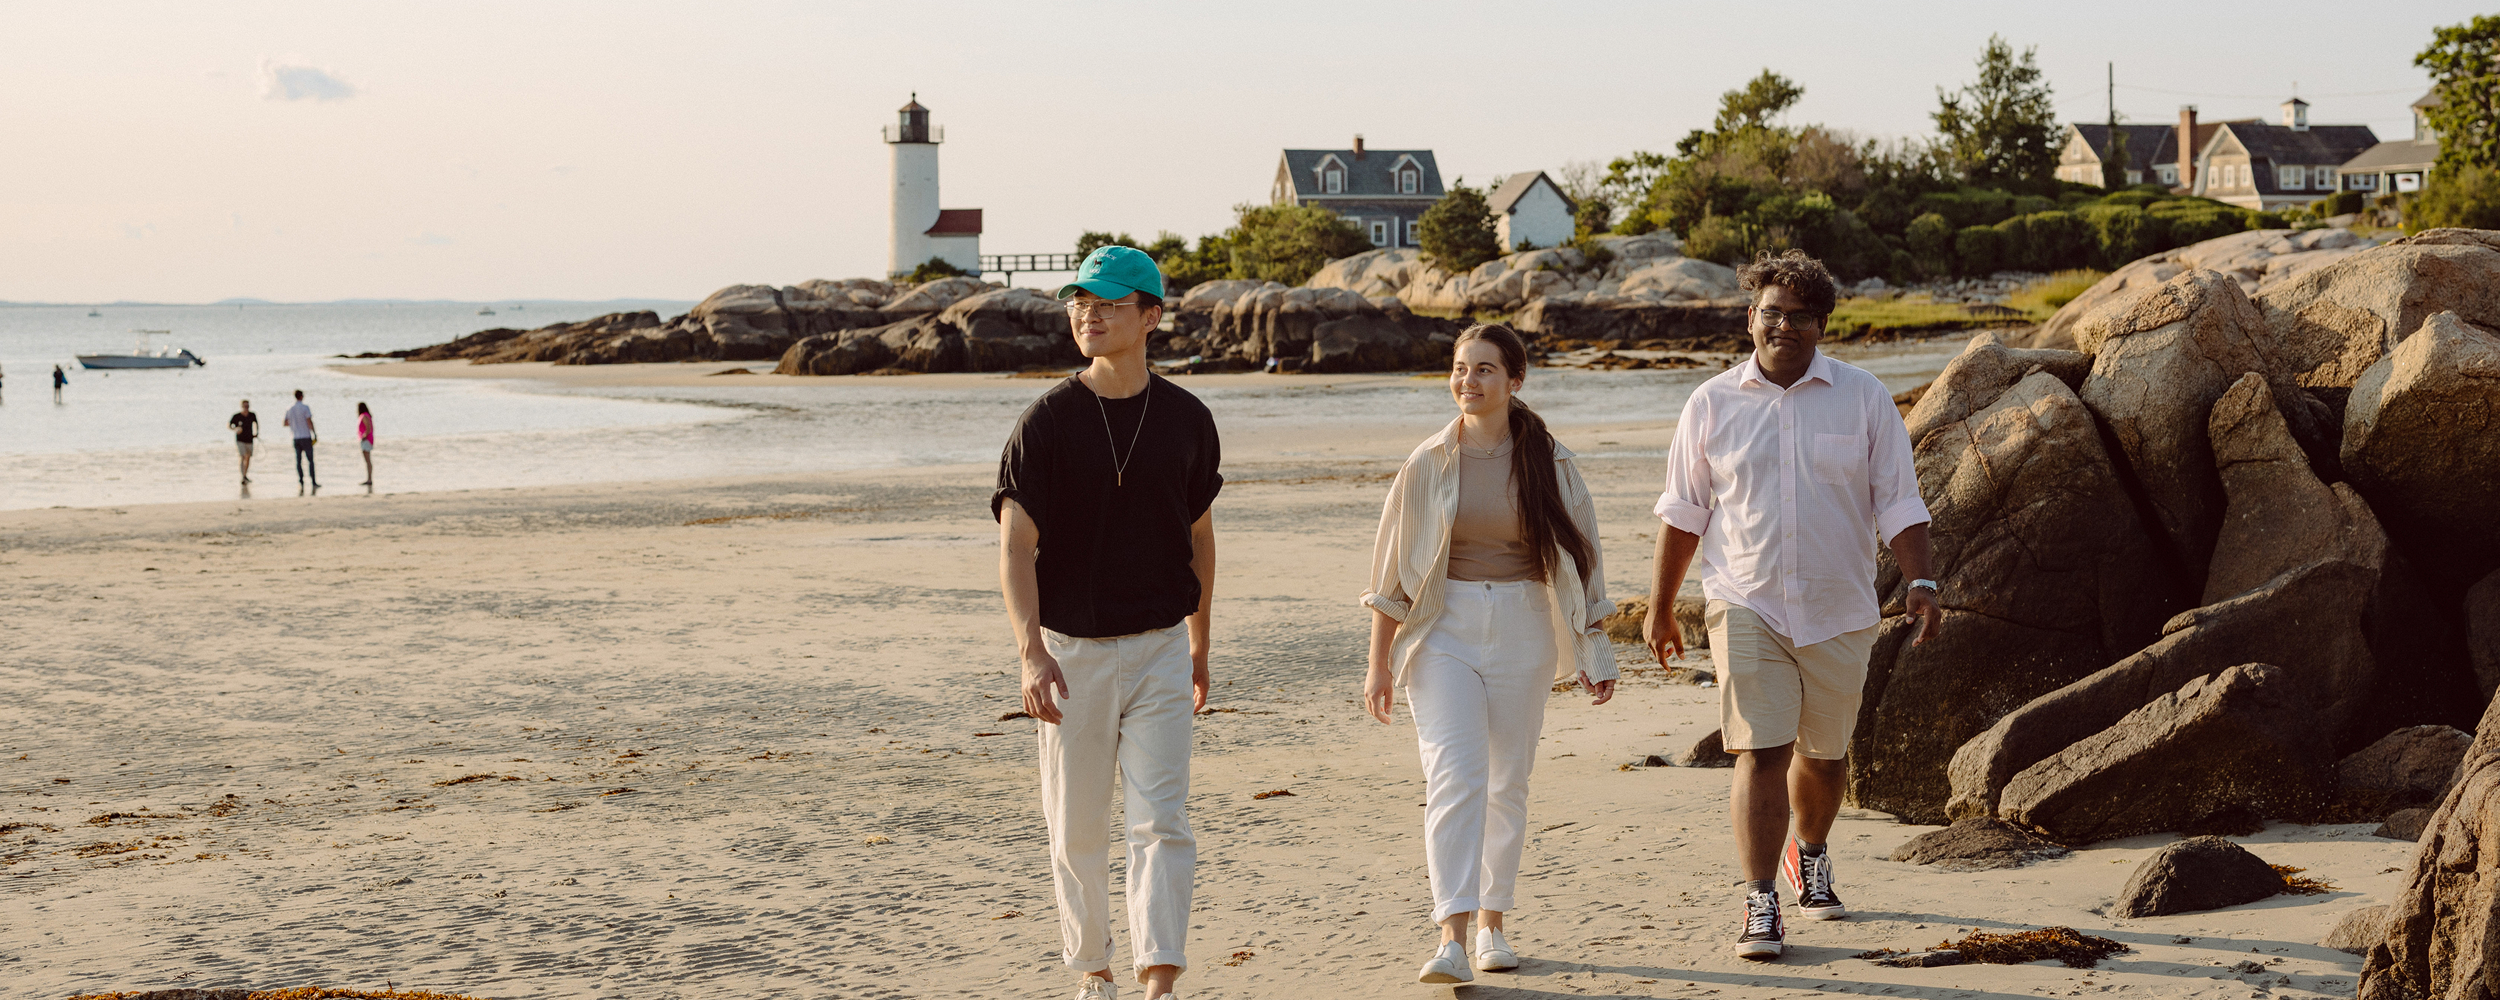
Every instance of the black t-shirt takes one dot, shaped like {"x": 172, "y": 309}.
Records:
{"x": 1115, "y": 546}
{"x": 246, "y": 425}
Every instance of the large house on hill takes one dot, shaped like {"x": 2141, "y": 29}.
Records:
{"x": 1382, "y": 191}
{"x": 2398, "y": 165}
{"x": 2246, "y": 162}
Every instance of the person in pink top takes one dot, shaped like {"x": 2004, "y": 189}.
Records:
{"x": 1784, "y": 473}
{"x": 364, "y": 440}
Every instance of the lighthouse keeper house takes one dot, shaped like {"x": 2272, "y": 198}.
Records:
{"x": 1382, "y": 191}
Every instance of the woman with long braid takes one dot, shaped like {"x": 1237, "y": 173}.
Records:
{"x": 1487, "y": 587}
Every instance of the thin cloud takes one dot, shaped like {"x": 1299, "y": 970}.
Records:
{"x": 294, "y": 82}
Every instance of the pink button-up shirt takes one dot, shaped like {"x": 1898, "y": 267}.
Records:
{"x": 1790, "y": 489}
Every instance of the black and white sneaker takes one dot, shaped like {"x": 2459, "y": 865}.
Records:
{"x": 1811, "y": 879}
{"x": 1766, "y": 935}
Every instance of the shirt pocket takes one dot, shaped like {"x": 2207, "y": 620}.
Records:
{"x": 1837, "y": 459}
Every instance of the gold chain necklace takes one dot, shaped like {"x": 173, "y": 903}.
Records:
{"x": 1119, "y": 463}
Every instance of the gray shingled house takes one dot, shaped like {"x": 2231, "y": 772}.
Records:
{"x": 1382, "y": 191}
{"x": 2274, "y": 167}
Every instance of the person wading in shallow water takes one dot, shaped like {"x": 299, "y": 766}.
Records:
{"x": 364, "y": 440}
{"x": 1783, "y": 474}
{"x": 246, "y": 427}
{"x": 299, "y": 422}
{"x": 1487, "y": 587}
{"x": 1107, "y": 561}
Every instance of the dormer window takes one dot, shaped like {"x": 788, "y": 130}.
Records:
{"x": 1332, "y": 181}
{"x": 1407, "y": 181}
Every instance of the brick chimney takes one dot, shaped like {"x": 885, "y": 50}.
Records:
{"x": 2187, "y": 147}
{"x": 1358, "y": 145}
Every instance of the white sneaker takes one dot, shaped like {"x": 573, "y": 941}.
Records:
{"x": 1449, "y": 965}
{"x": 1097, "y": 988}
{"x": 1493, "y": 954}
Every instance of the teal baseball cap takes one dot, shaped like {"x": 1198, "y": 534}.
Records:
{"x": 1113, "y": 272}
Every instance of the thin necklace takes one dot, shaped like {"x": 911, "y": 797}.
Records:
{"x": 1119, "y": 463}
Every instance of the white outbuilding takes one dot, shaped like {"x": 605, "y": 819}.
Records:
{"x": 921, "y": 230}
{"x": 1531, "y": 210}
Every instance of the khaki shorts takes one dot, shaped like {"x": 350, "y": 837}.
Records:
{"x": 1773, "y": 693}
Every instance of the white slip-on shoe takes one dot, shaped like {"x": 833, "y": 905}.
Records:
{"x": 1449, "y": 965}
{"x": 1493, "y": 954}
{"x": 1097, "y": 988}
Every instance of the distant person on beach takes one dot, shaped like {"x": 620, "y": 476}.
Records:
{"x": 1108, "y": 586}
{"x": 299, "y": 421}
{"x": 1783, "y": 474}
{"x": 246, "y": 427}
{"x": 59, "y": 379}
{"x": 364, "y": 440}
{"x": 1487, "y": 587}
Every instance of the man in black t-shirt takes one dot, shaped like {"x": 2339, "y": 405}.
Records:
{"x": 246, "y": 427}
{"x": 1107, "y": 560}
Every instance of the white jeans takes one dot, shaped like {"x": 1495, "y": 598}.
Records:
{"x": 1128, "y": 705}
{"x": 1478, "y": 691}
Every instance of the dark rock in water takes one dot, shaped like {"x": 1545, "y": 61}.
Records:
{"x": 2249, "y": 730}
{"x": 2407, "y": 768}
{"x": 2404, "y": 824}
{"x": 1710, "y": 752}
{"x": 2200, "y": 873}
{"x": 1977, "y": 844}
{"x": 2358, "y": 930}
{"x": 2438, "y": 941}
{"x": 1008, "y": 329}
{"x": 2431, "y": 473}
{"x": 2048, "y": 576}
{"x": 1689, "y": 326}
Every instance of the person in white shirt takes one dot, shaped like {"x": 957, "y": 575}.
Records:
{"x": 1783, "y": 474}
{"x": 300, "y": 423}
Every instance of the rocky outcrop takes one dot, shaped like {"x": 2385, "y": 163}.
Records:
{"x": 2482, "y": 630}
{"x": 1290, "y": 325}
{"x": 2199, "y": 873}
{"x": 2277, "y": 514}
{"x": 2248, "y": 729}
{"x": 2408, "y": 768}
{"x": 2440, "y": 940}
{"x": 2258, "y": 260}
{"x": 1978, "y": 845}
{"x": 1980, "y": 374}
{"x": 2048, "y": 576}
{"x": 2160, "y": 364}
{"x": 1003, "y": 329}
{"x": 2335, "y": 321}
{"x": 2419, "y": 441}
{"x": 2404, "y": 824}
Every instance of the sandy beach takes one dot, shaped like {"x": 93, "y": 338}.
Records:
{"x": 744, "y": 737}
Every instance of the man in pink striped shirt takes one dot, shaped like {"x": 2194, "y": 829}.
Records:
{"x": 1784, "y": 473}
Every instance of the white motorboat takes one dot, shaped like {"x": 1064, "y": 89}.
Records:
{"x": 486, "y": 310}
{"x": 146, "y": 355}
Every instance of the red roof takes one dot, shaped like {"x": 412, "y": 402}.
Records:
{"x": 957, "y": 222}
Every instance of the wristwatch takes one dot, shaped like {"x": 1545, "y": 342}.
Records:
{"x": 1930, "y": 585}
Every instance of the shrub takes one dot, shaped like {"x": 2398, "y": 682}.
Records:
{"x": 1289, "y": 243}
{"x": 933, "y": 269}
{"x": 2056, "y": 241}
{"x": 2464, "y": 196}
{"x": 2122, "y": 233}
{"x": 2268, "y": 220}
{"x": 1457, "y": 231}
{"x": 2199, "y": 226}
{"x": 1183, "y": 267}
{"x": 2014, "y": 250}
{"x": 2339, "y": 203}
{"x": 1930, "y": 239}
{"x": 1969, "y": 207}
{"x": 1716, "y": 239}
{"x": 1977, "y": 249}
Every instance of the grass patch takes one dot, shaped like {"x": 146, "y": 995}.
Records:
{"x": 2043, "y": 298}
{"x": 1856, "y": 319}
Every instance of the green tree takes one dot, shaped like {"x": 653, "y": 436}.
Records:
{"x": 1457, "y": 231}
{"x": 1090, "y": 241}
{"x": 1930, "y": 239}
{"x": 1289, "y": 243}
{"x": 2114, "y": 165}
{"x": 2466, "y": 196}
{"x": 2462, "y": 59}
{"x": 933, "y": 269}
{"x": 1762, "y": 99}
{"x": 2002, "y": 128}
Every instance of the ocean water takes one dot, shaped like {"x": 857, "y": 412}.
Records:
{"x": 134, "y": 437}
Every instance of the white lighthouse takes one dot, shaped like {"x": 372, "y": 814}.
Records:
{"x": 922, "y": 230}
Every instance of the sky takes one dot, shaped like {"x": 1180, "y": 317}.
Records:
{"x": 186, "y": 152}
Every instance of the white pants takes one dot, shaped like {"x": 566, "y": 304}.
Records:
{"x": 1128, "y": 705}
{"x": 1478, "y": 690}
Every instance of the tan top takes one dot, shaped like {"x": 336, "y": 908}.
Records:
{"x": 1411, "y": 557}
{"x": 1486, "y": 540}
